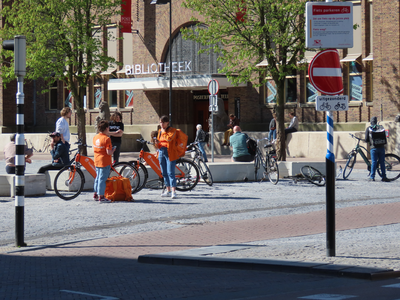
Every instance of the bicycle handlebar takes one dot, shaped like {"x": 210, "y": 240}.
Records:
{"x": 143, "y": 141}
{"x": 355, "y": 137}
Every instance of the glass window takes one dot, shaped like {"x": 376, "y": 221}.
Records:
{"x": 97, "y": 91}
{"x": 291, "y": 90}
{"x": 355, "y": 93}
{"x": 112, "y": 98}
{"x": 53, "y": 96}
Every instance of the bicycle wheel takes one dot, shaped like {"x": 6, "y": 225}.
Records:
{"x": 69, "y": 182}
{"x": 143, "y": 174}
{"x": 205, "y": 172}
{"x": 257, "y": 165}
{"x": 273, "y": 170}
{"x": 392, "y": 166}
{"x": 313, "y": 175}
{"x": 349, "y": 165}
{"x": 186, "y": 174}
{"x": 126, "y": 170}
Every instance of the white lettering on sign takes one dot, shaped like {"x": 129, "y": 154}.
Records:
{"x": 177, "y": 67}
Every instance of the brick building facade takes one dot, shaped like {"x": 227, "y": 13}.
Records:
{"x": 370, "y": 77}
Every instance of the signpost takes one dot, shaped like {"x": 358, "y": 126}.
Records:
{"x": 213, "y": 88}
{"x": 329, "y": 25}
{"x": 326, "y": 76}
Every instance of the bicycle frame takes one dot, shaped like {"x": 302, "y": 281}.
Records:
{"x": 360, "y": 149}
{"x": 153, "y": 162}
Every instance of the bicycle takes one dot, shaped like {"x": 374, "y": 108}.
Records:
{"x": 197, "y": 157}
{"x": 269, "y": 163}
{"x": 186, "y": 172}
{"x": 70, "y": 180}
{"x": 392, "y": 162}
{"x": 310, "y": 174}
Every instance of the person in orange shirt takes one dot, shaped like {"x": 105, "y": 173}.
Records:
{"x": 103, "y": 150}
{"x": 167, "y": 156}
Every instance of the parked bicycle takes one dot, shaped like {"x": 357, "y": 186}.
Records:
{"x": 70, "y": 180}
{"x": 186, "y": 172}
{"x": 269, "y": 163}
{"x": 310, "y": 174}
{"x": 392, "y": 162}
{"x": 197, "y": 156}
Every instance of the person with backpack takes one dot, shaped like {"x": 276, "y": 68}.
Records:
{"x": 167, "y": 156}
{"x": 238, "y": 142}
{"x": 201, "y": 140}
{"x": 375, "y": 135}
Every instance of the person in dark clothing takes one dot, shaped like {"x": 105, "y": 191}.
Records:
{"x": 59, "y": 154}
{"x": 116, "y": 131}
{"x": 200, "y": 138}
{"x": 377, "y": 153}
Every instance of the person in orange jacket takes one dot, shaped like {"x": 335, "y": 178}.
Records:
{"x": 167, "y": 156}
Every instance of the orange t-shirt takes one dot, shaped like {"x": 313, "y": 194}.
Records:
{"x": 101, "y": 143}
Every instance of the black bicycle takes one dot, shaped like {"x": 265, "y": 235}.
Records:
{"x": 392, "y": 162}
{"x": 269, "y": 163}
{"x": 197, "y": 156}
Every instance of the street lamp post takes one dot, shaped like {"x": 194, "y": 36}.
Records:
{"x": 170, "y": 53}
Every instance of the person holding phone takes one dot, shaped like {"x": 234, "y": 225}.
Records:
{"x": 116, "y": 132}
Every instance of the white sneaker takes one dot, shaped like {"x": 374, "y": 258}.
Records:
{"x": 173, "y": 196}
{"x": 166, "y": 194}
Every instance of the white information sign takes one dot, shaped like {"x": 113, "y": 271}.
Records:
{"x": 332, "y": 103}
{"x": 329, "y": 25}
{"x": 213, "y": 104}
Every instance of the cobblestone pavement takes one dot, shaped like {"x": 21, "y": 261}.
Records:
{"x": 80, "y": 249}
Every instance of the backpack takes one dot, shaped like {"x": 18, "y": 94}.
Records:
{"x": 118, "y": 188}
{"x": 251, "y": 146}
{"x": 181, "y": 142}
{"x": 207, "y": 137}
{"x": 377, "y": 136}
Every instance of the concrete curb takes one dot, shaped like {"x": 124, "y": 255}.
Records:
{"x": 197, "y": 258}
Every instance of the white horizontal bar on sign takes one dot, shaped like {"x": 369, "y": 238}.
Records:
{"x": 327, "y": 72}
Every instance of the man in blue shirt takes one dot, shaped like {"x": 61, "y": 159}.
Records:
{"x": 59, "y": 154}
{"x": 238, "y": 143}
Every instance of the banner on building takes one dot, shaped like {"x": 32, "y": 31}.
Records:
{"x": 126, "y": 16}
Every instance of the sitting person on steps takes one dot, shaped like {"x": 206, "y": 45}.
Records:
{"x": 9, "y": 155}
{"x": 294, "y": 124}
{"x": 59, "y": 154}
{"x": 239, "y": 145}
{"x": 233, "y": 121}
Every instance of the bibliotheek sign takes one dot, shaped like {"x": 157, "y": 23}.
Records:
{"x": 156, "y": 68}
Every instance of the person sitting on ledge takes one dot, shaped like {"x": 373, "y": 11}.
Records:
{"x": 238, "y": 143}
{"x": 294, "y": 124}
{"x": 9, "y": 155}
{"x": 59, "y": 154}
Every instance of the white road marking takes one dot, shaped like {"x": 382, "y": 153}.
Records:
{"x": 328, "y": 297}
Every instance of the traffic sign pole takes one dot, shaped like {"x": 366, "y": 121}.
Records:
{"x": 213, "y": 88}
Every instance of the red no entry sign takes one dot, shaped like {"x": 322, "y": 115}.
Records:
{"x": 326, "y": 73}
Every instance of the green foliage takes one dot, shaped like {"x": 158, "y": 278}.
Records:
{"x": 60, "y": 38}
{"x": 61, "y": 42}
{"x": 271, "y": 30}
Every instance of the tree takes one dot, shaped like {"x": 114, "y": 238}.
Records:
{"x": 62, "y": 43}
{"x": 247, "y": 32}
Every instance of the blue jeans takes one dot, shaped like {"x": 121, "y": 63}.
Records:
{"x": 273, "y": 134}
{"x": 100, "y": 180}
{"x": 378, "y": 156}
{"x": 167, "y": 167}
{"x": 201, "y": 147}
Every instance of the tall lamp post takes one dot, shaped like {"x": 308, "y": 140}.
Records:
{"x": 170, "y": 53}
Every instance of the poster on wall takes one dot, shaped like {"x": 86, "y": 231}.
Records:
{"x": 128, "y": 98}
